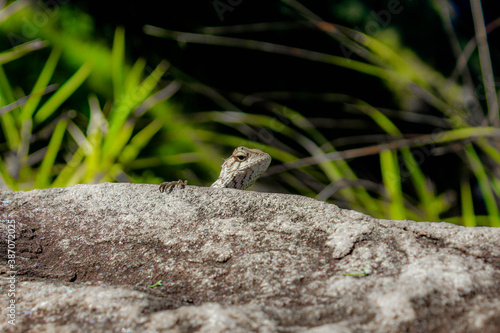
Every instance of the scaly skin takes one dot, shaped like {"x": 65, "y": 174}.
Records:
{"x": 240, "y": 170}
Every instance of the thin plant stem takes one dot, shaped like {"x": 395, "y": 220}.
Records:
{"x": 484, "y": 59}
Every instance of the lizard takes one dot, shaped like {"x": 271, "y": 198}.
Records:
{"x": 239, "y": 171}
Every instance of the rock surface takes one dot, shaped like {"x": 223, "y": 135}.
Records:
{"x": 237, "y": 261}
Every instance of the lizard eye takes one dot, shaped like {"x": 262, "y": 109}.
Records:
{"x": 241, "y": 157}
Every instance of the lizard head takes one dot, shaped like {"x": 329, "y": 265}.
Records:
{"x": 242, "y": 168}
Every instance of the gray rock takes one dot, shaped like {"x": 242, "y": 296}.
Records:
{"x": 237, "y": 261}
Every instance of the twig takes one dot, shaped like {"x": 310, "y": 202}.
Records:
{"x": 23, "y": 100}
{"x": 444, "y": 137}
{"x": 485, "y": 61}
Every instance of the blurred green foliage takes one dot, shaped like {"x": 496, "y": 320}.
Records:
{"x": 74, "y": 109}
{"x": 61, "y": 132}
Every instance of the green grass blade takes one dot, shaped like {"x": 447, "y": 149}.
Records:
{"x": 21, "y": 50}
{"x": 430, "y": 204}
{"x": 426, "y": 196}
{"x": 379, "y": 118}
{"x": 134, "y": 76}
{"x": 6, "y": 178}
{"x": 495, "y": 183}
{"x": 63, "y": 93}
{"x": 387, "y": 57}
{"x": 93, "y": 161}
{"x": 140, "y": 140}
{"x": 69, "y": 170}
{"x": 469, "y": 219}
{"x": 41, "y": 84}
{"x": 392, "y": 182}
{"x": 8, "y": 120}
{"x": 43, "y": 177}
{"x": 489, "y": 149}
{"x": 119, "y": 115}
{"x": 466, "y": 133}
{"x": 117, "y": 58}
{"x": 33, "y": 101}
{"x": 186, "y": 37}
{"x": 484, "y": 184}
{"x": 120, "y": 141}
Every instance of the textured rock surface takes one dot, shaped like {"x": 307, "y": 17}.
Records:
{"x": 238, "y": 261}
